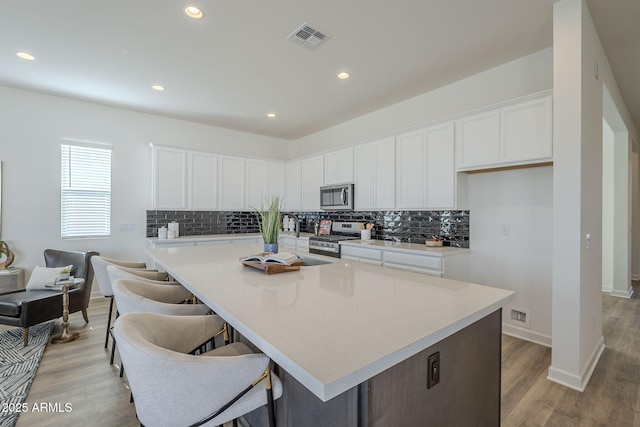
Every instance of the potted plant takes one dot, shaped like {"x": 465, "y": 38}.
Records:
{"x": 269, "y": 222}
{"x": 5, "y": 253}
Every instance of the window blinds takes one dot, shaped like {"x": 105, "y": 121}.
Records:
{"x": 85, "y": 191}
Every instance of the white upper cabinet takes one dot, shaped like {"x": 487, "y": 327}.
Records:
{"x": 312, "y": 180}
{"x": 256, "y": 182}
{"x": 515, "y": 134}
{"x": 440, "y": 184}
{"x": 425, "y": 168}
{"x": 264, "y": 179}
{"x": 338, "y": 167}
{"x": 231, "y": 177}
{"x": 526, "y": 131}
{"x": 169, "y": 177}
{"x": 293, "y": 186}
{"x": 202, "y": 177}
{"x": 478, "y": 139}
{"x": 275, "y": 178}
{"x": 374, "y": 175}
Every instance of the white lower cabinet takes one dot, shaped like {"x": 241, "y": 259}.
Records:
{"x": 424, "y": 264}
{"x": 287, "y": 241}
{"x": 293, "y": 242}
{"x": 365, "y": 255}
{"x": 415, "y": 260}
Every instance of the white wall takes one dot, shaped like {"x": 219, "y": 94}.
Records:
{"x": 521, "y": 199}
{"x": 607, "y": 207}
{"x": 577, "y": 188}
{"x": 31, "y": 126}
{"x": 523, "y": 76}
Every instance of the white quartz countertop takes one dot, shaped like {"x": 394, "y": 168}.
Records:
{"x": 441, "y": 251}
{"x": 331, "y": 326}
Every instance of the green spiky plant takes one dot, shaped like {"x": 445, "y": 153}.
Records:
{"x": 269, "y": 215}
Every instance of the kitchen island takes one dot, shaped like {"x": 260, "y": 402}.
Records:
{"x": 352, "y": 341}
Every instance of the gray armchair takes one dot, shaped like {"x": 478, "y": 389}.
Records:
{"x": 25, "y": 308}
{"x": 173, "y": 388}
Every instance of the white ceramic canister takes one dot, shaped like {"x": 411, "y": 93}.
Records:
{"x": 162, "y": 232}
{"x": 174, "y": 230}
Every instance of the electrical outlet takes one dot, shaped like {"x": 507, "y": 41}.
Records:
{"x": 433, "y": 370}
{"x": 587, "y": 241}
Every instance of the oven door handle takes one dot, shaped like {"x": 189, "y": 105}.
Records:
{"x": 343, "y": 196}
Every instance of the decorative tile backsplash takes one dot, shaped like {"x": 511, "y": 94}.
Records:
{"x": 399, "y": 226}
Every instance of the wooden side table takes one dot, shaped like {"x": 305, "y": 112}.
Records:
{"x": 66, "y": 336}
{"x": 11, "y": 279}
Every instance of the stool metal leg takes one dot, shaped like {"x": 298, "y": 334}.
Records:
{"x": 106, "y": 338}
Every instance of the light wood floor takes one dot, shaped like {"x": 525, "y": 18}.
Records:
{"x": 79, "y": 373}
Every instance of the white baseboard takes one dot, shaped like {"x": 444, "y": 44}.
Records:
{"x": 622, "y": 294}
{"x": 578, "y": 382}
{"x": 526, "y": 334}
{"x": 635, "y": 277}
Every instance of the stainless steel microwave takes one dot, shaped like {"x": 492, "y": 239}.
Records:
{"x": 336, "y": 197}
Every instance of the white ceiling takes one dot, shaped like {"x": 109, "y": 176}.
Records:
{"x": 236, "y": 65}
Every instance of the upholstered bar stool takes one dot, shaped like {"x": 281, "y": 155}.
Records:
{"x": 169, "y": 298}
{"x": 100, "y": 265}
{"x": 171, "y": 387}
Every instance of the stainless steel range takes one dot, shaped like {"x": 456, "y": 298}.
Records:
{"x": 327, "y": 244}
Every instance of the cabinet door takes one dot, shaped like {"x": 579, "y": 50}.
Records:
{"x": 231, "y": 179}
{"x": 312, "y": 180}
{"x": 203, "y": 180}
{"x": 275, "y": 178}
{"x": 410, "y": 170}
{"x": 374, "y": 175}
{"x": 169, "y": 170}
{"x": 385, "y": 174}
{"x": 478, "y": 140}
{"x": 364, "y": 177}
{"x": 293, "y": 186}
{"x": 525, "y": 131}
{"x": 440, "y": 166}
{"x": 338, "y": 167}
{"x": 256, "y": 184}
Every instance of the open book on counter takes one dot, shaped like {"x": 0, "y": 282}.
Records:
{"x": 284, "y": 258}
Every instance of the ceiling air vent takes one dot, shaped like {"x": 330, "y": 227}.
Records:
{"x": 308, "y": 36}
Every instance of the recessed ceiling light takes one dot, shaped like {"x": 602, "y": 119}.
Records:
{"x": 271, "y": 115}
{"x": 343, "y": 75}
{"x": 193, "y": 12}
{"x": 158, "y": 88}
{"x": 26, "y": 56}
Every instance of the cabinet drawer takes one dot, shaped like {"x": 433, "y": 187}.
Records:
{"x": 302, "y": 244}
{"x": 361, "y": 253}
{"x": 416, "y": 261}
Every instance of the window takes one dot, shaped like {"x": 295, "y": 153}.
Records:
{"x": 85, "y": 191}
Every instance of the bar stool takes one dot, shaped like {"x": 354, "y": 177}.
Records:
{"x": 100, "y": 265}
{"x": 172, "y": 388}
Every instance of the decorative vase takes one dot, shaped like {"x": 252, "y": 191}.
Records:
{"x": 271, "y": 247}
{"x": 6, "y": 256}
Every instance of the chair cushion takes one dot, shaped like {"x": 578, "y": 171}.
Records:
{"x": 11, "y": 303}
